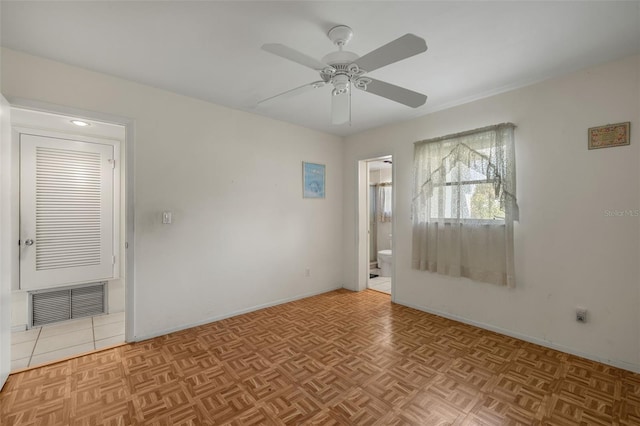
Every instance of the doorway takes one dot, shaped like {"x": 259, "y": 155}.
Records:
{"x": 69, "y": 296}
{"x": 379, "y": 217}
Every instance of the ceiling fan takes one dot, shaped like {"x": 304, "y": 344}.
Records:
{"x": 344, "y": 70}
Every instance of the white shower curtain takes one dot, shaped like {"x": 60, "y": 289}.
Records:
{"x": 383, "y": 202}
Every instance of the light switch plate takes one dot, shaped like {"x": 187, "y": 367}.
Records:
{"x": 166, "y": 218}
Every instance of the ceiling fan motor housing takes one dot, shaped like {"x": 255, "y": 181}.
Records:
{"x": 342, "y": 70}
{"x": 340, "y": 58}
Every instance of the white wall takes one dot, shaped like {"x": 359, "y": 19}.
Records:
{"x": 568, "y": 253}
{"x": 242, "y": 235}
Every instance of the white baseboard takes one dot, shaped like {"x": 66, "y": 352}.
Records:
{"x": 233, "y": 314}
{"x": 613, "y": 362}
{"x": 18, "y": 328}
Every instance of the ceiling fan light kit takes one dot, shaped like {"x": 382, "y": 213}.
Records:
{"x": 344, "y": 70}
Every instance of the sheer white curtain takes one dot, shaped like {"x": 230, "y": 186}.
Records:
{"x": 383, "y": 203}
{"x": 464, "y": 205}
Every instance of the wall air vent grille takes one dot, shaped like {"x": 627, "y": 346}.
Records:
{"x": 52, "y": 306}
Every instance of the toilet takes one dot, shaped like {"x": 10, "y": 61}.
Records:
{"x": 384, "y": 263}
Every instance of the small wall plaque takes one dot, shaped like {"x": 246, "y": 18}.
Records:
{"x": 609, "y": 135}
{"x": 313, "y": 178}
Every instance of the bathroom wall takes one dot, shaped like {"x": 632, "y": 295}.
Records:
{"x": 380, "y": 175}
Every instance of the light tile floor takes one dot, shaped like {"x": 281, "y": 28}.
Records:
{"x": 57, "y": 341}
{"x": 382, "y": 284}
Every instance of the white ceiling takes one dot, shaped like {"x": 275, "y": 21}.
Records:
{"x": 211, "y": 50}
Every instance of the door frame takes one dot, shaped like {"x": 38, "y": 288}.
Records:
{"x": 362, "y": 223}
{"x": 6, "y": 248}
{"x": 129, "y": 214}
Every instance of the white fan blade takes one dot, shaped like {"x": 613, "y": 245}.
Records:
{"x": 396, "y": 93}
{"x": 341, "y": 108}
{"x": 293, "y": 55}
{"x": 404, "y": 47}
{"x": 294, "y": 92}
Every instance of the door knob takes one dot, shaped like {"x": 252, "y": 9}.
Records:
{"x": 28, "y": 242}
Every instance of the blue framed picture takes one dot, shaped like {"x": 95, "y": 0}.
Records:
{"x": 313, "y": 178}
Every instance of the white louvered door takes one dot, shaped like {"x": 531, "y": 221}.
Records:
{"x": 66, "y": 212}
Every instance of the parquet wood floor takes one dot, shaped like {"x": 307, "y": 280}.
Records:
{"x": 335, "y": 359}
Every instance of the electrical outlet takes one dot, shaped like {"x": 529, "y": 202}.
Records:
{"x": 307, "y": 272}
{"x": 581, "y": 315}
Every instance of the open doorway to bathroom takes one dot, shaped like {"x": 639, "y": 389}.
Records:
{"x": 380, "y": 213}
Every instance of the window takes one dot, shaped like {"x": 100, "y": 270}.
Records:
{"x": 464, "y": 204}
